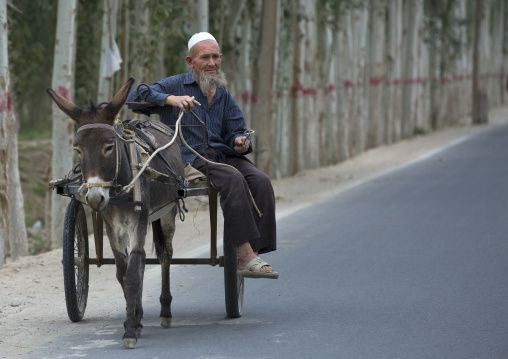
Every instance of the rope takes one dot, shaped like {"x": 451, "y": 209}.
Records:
{"x": 218, "y": 164}
{"x": 178, "y": 127}
{"x": 131, "y": 185}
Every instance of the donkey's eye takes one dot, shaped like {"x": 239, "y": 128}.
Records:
{"x": 78, "y": 152}
{"x": 108, "y": 149}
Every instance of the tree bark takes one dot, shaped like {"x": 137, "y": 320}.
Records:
{"x": 265, "y": 72}
{"x": 360, "y": 17}
{"x": 376, "y": 72}
{"x": 12, "y": 214}
{"x": 479, "y": 113}
{"x": 392, "y": 95}
{"x": 123, "y": 46}
{"x": 413, "y": 12}
{"x": 198, "y": 12}
{"x": 296, "y": 78}
{"x": 63, "y": 129}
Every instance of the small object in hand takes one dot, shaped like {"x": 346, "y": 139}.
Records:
{"x": 247, "y": 133}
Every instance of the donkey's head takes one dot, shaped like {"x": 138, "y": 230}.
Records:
{"x": 96, "y": 143}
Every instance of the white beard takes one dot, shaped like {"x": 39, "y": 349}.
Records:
{"x": 209, "y": 83}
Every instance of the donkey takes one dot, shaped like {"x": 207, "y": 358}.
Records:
{"x": 103, "y": 157}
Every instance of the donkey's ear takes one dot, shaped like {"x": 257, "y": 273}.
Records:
{"x": 111, "y": 110}
{"x": 70, "y": 109}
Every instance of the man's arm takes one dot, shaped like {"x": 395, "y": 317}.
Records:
{"x": 159, "y": 95}
{"x": 156, "y": 96}
{"x": 235, "y": 128}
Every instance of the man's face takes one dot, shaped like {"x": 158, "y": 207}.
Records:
{"x": 205, "y": 58}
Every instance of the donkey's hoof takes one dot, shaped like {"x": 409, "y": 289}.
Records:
{"x": 165, "y": 322}
{"x": 129, "y": 343}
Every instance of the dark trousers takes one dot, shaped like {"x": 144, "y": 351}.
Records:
{"x": 241, "y": 220}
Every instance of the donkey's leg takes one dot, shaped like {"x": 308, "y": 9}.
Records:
{"x": 121, "y": 269}
{"x": 127, "y": 238}
{"x": 139, "y": 301}
{"x": 166, "y": 230}
{"x": 132, "y": 286}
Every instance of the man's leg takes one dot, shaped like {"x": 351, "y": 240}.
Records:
{"x": 262, "y": 191}
{"x": 239, "y": 217}
{"x": 235, "y": 200}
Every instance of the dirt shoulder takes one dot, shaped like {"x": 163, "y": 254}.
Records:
{"x": 35, "y": 284}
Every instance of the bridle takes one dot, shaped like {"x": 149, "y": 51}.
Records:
{"x": 111, "y": 184}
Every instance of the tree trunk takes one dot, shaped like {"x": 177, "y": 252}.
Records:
{"x": 497, "y": 53}
{"x": 479, "y": 113}
{"x": 413, "y": 12}
{"x": 295, "y": 95}
{"x": 138, "y": 67}
{"x": 360, "y": 17}
{"x": 198, "y": 13}
{"x": 343, "y": 84}
{"x": 63, "y": 129}
{"x": 325, "y": 100}
{"x": 265, "y": 72}
{"x": 109, "y": 22}
{"x": 376, "y": 72}
{"x": 311, "y": 121}
{"x": 392, "y": 94}
{"x": 229, "y": 45}
{"x": 123, "y": 45}
{"x": 12, "y": 215}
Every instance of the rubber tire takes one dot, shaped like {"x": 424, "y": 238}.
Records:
{"x": 233, "y": 283}
{"x": 75, "y": 244}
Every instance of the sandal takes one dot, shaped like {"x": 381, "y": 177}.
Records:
{"x": 255, "y": 272}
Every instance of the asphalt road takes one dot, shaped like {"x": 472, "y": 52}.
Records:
{"x": 410, "y": 264}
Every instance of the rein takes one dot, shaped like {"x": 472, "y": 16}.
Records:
{"x": 126, "y": 189}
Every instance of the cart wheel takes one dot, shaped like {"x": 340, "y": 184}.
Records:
{"x": 75, "y": 260}
{"x": 233, "y": 283}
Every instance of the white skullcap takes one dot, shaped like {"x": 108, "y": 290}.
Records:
{"x": 200, "y": 36}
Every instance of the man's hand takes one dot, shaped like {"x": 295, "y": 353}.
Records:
{"x": 240, "y": 145}
{"x": 186, "y": 103}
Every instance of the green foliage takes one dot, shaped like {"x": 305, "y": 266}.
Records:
{"x": 163, "y": 36}
{"x": 329, "y": 13}
{"x": 442, "y": 31}
{"x": 31, "y": 133}
{"x": 32, "y": 26}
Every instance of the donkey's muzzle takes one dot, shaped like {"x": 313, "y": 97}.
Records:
{"x": 97, "y": 198}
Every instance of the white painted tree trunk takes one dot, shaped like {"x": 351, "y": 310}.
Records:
{"x": 420, "y": 104}
{"x": 343, "y": 85}
{"x": 63, "y": 129}
{"x": 392, "y": 94}
{"x": 12, "y": 214}
{"x": 376, "y": 72}
{"x": 360, "y": 17}
{"x": 326, "y": 96}
{"x": 199, "y": 14}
